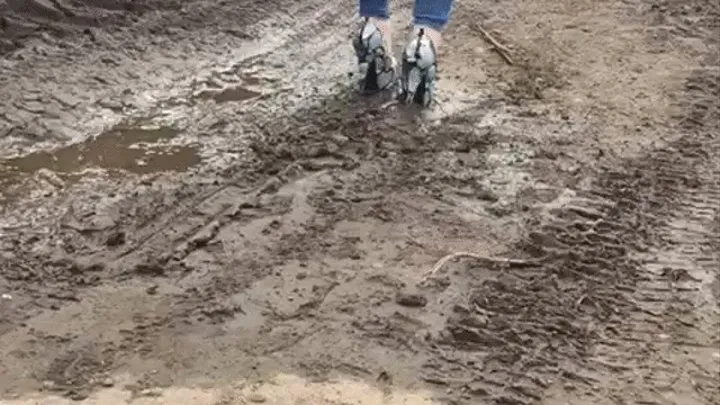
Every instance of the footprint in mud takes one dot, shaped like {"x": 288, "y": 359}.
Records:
{"x": 134, "y": 149}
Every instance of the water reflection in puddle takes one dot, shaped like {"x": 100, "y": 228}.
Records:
{"x": 128, "y": 148}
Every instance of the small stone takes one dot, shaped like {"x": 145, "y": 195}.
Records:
{"x": 504, "y": 87}
{"x": 340, "y": 139}
{"x": 214, "y": 82}
{"x": 256, "y": 398}
{"x": 115, "y": 239}
{"x": 152, "y": 290}
{"x": 52, "y": 178}
{"x": 487, "y": 195}
{"x": 205, "y": 235}
{"x": 108, "y": 382}
{"x": 150, "y": 269}
{"x": 384, "y": 377}
{"x": 48, "y": 385}
{"x": 411, "y": 300}
{"x": 110, "y": 104}
{"x": 77, "y": 395}
{"x": 100, "y": 222}
{"x": 150, "y": 392}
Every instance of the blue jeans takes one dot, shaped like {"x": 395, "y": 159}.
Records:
{"x": 430, "y": 13}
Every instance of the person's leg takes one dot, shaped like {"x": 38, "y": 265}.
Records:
{"x": 433, "y": 16}
{"x": 420, "y": 56}
{"x": 378, "y": 13}
{"x": 375, "y": 9}
{"x": 372, "y": 46}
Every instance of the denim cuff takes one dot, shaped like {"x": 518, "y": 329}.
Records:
{"x": 374, "y": 11}
{"x": 438, "y": 24}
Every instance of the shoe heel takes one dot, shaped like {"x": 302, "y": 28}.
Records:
{"x": 370, "y": 83}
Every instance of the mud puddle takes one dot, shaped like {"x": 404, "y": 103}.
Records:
{"x": 237, "y": 93}
{"x": 135, "y": 149}
{"x": 247, "y": 90}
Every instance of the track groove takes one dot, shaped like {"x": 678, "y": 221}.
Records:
{"x": 603, "y": 274}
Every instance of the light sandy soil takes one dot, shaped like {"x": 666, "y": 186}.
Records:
{"x": 195, "y": 208}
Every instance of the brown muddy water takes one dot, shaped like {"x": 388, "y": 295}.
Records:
{"x": 237, "y": 93}
{"x": 129, "y": 148}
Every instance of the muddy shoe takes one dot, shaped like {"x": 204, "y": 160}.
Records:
{"x": 419, "y": 68}
{"x": 375, "y": 63}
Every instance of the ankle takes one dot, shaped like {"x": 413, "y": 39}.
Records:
{"x": 434, "y": 35}
{"x": 382, "y": 24}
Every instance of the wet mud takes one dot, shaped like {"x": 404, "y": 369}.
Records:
{"x": 120, "y": 148}
{"x": 123, "y": 149}
{"x": 21, "y": 21}
{"x": 237, "y": 93}
{"x": 548, "y": 235}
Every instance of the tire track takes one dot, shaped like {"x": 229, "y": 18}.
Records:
{"x": 678, "y": 321}
{"x": 624, "y": 291}
{"x": 669, "y": 347}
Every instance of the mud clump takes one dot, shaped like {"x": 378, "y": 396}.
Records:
{"x": 410, "y": 299}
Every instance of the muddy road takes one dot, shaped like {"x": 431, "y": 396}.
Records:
{"x": 195, "y": 208}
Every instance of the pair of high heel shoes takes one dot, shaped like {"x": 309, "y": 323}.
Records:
{"x": 378, "y": 70}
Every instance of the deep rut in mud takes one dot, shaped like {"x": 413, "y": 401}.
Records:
{"x": 548, "y": 319}
{"x": 304, "y": 243}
